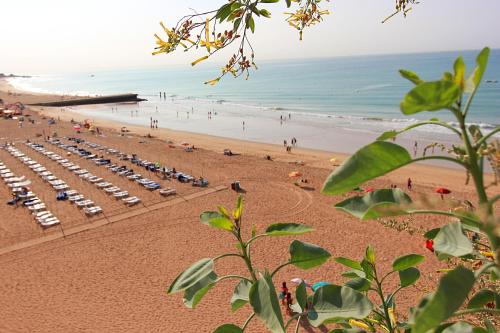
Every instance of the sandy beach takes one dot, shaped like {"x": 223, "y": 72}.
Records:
{"x": 113, "y": 276}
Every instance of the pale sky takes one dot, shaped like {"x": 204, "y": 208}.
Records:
{"x": 54, "y": 36}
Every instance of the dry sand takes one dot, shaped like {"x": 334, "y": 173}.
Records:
{"x": 113, "y": 278}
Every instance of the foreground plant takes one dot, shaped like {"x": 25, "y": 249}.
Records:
{"x": 454, "y": 93}
{"x": 256, "y": 287}
{"x": 229, "y": 26}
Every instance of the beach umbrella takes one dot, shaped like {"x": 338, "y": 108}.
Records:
{"x": 294, "y": 174}
{"x": 320, "y": 284}
{"x": 184, "y": 143}
{"x": 333, "y": 160}
{"x": 369, "y": 189}
{"x": 442, "y": 191}
{"x": 77, "y": 127}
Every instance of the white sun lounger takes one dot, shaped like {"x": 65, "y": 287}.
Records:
{"x": 120, "y": 195}
{"x": 84, "y": 203}
{"x": 37, "y": 208}
{"x": 168, "y": 191}
{"x": 75, "y": 198}
{"x": 95, "y": 180}
{"x": 50, "y": 222}
{"x": 113, "y": 189}
{"x": 60, "y": 187}
{"x": 103, "y": 185}
{"x": 71, "y": 192}
{"x": 131, "y": 201}
{"x": 92, "y": 210}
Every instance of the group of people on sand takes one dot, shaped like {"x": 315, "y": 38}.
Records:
{"x": 289, "y": 147}
{"x": 153, "y": 123}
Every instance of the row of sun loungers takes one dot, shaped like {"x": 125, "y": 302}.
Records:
{"x": 84, "y": 174}
{"x": 129, "y": 173}
{"x": 29, "y": 200}
{"x": 58, "y": 184}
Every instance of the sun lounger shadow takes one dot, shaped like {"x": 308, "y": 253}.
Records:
{"x": 308, "y": 188}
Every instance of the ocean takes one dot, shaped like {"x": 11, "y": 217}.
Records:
{"x": 359, "y": 94}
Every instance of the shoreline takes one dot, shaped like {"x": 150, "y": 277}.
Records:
{"x": 308, "y": 156}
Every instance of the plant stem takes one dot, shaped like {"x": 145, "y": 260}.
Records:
{"x": 227, "y": 255}
{"x": 297, "y": 327}
{"x": 382, "y": 298}
{"x": 246, "y": 258}
{"x": 486, "y": 137}
{"x": 249, "y": 319}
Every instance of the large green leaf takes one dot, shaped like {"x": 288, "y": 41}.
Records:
{"x": 359, "y": 284}
{"x": 265, "y": 304}
{"x": 371, "y": 161}
{"x": 337, "y": 302}
{"x": 408, "y": 276}
{"x": 228, "y": 328}
{"x": 475, "y": 78}
{"x": 407, "y": 261}
{"x": 349, "y": 263}
{"x": 194, "y": 294}
{"x": 287, "y": 229}
{"x": 451, "y": 241}
{"x": 451, "y": 292}
{"x": 463, "y": 327}
{"x": 430, "y": 96}
{"x": 379, "y": 203}
{"x": 301, "y": 296}
{"x": 483, "y": 297}
{"x": 216, "y": 220}
{"x": 459, "y": 68}
{"x": 306, "y": 255}
{"x": 240, "y": 295}
{"x": 196, "y": 272}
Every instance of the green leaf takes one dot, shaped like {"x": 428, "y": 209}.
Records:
{"x": 240, "y": 295}
{"x": 265, "y": 304}
{"x": 333, "y": 302}
{"x": 475, "y": 78}
{"x": 301, "y": 296}
{"x": 451, "y": 292}
{"x": 196, "y": 272}
{"x": 430, "y": 96}
{"x": 407, "y": 261}
{"x": 287, "y": 229}
{"x": 239, "y": 208}
{"x": 223, "y": 12}
{"x": 216, "y": 220}
{"x": 408, "y": 276}
{"x": 431, "y": 234}
{"x": 223, "y": 211}
{"x": 359, "y": 284}
{"x": 463, "y": 327}
{"x": 251, "y": 23}
{"x": 228, "y": 328}
{"x": 376, "y": 204}
{"x": 354, "y": 273}
{"x": 483, "y": 297}
{"x": 371, "y": 161}
{"x": 368, "y": 270}
{"x": 451, "y": 241}
{"x": 349, "y": 263}
{"x": 459, "y": 68}
{"x": 305, "y": 255}
{"x": 221, "y": 223}
{"x": 410, "y": 76}
{"x": 370, "y": 254}
{"x": 195, "y": 293}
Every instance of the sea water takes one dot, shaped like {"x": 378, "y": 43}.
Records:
{"x": 308, "y": 98}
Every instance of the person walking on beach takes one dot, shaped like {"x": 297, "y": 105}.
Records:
{"x": 415, "y": 148}
{"x": 283, "y": 293}
{"x": 243, "y": 125}
{"x": 156, "y": 123}
{"x": 284, "y": 143}
{"x": 409, "y": 184}
{"x": 150, "y": 122}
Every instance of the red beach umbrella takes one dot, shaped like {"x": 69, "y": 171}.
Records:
{"x": 369, "y": 189}
{"x": 442, "y": 191}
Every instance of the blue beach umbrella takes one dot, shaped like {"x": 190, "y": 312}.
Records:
{"x": 320, "y": 284}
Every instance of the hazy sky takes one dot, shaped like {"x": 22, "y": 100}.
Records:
{"x": 50, "y": 36}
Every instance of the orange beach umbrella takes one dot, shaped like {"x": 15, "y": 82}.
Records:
{"x": 294, "y": 174}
